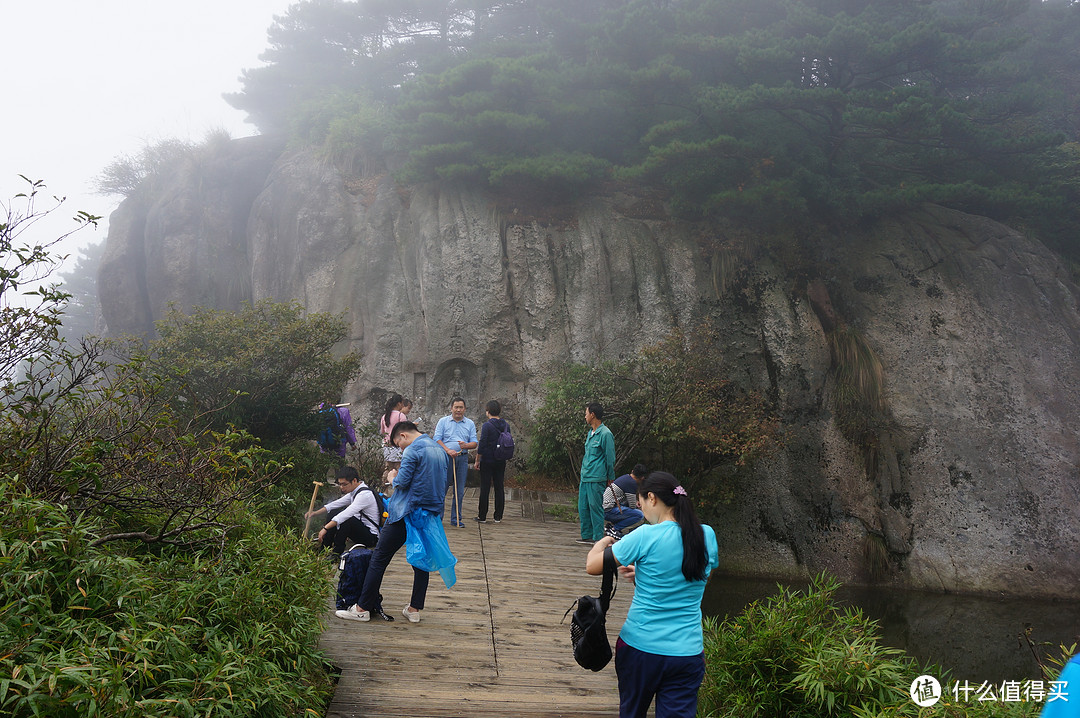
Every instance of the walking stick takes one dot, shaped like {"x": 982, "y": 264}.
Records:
{"x": 311, "y": 506}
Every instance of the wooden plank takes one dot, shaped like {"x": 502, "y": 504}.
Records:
{"x": 492, "y": 645}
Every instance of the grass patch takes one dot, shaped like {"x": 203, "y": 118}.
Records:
{"x": 561, "y": 512}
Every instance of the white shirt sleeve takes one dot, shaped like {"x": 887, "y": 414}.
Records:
{"x": 362, "y": 504}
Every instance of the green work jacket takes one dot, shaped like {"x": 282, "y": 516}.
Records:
{"x": 598, "y": 464}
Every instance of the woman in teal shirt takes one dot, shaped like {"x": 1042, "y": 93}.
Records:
{"x": 660, "y": 650}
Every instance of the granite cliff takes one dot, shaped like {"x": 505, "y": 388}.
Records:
{"x": 972, "y": 488}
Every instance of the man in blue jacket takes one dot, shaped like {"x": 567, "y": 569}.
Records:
{"x": 419, "y": 483}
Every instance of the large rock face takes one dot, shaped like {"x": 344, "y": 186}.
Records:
{"x": 972, "y": 488}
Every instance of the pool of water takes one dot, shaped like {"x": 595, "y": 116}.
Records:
{"x": 975, "y": 637}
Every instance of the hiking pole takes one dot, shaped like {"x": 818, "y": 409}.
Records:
{"x": 311, "y": 506}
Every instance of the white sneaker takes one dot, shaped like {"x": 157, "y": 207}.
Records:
{"x": 413, "y": 616}
{"x": 352, "y": 613}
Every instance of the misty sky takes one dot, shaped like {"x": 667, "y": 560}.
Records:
{"x": 87, "y": 81}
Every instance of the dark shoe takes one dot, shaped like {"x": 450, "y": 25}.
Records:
{"x": 498, "y": 521}
{"x": 479, "y": 520}
{"x": 383, "y": 615}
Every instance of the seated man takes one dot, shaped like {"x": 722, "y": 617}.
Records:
{"x": 620, "y": 500}
{"x": 353, "y": 516}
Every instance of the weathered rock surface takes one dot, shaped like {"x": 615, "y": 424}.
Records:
{"x": 978, "y": 328}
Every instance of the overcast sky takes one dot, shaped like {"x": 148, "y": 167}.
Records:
{"x": 85, "y": 81}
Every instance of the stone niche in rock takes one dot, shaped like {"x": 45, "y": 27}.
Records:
{"x": 976, "y": 327}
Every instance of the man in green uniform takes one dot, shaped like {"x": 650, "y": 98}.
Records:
{"x": 597, "y": 469}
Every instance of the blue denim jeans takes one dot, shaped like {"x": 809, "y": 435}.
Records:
{"x": 623, "y": 518}
{"x": 391, "y": 539}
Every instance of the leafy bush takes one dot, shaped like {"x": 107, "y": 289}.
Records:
{"x": 799, "y": 654}
{"x": 275, "y": 362}
{"x": 667, "y": 406}
{"x": 136, "y": 578}
{"x": 30, "y": 313}
{"x": 88, "y": 630}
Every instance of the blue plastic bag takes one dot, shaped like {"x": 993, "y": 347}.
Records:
{"x": 426, "y": 547}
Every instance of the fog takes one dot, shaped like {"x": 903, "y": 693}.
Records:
{"x": 87, "y": 82}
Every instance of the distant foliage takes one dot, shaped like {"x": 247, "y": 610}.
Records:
{"x": 351, "y": 130}
{"x": 128, "y": 174}
{"x": 775, "y": 113}
{"x": 667, "y": 406}
{"x": 264, "y": 368}
{"x": 82, "y": 311}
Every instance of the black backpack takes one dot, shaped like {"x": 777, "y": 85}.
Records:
{"x": 588, "y": 628}
{"x": 380, "y": 504}
{"x": 504, "y": 445}
{"x": 354, "y": 565}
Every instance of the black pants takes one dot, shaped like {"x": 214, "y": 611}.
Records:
{"x": 492, "y": 474}
{"x": 353, "y": 529}
{"x": 391, "y": 539}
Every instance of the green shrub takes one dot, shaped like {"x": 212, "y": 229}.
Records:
{"x": 799, "y": 654}
{"x": 92, "y": 631}
{"x": 262, "y": 369}
{"x": 669, "y": 405}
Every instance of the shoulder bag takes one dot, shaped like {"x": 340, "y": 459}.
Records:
{"x": 588, "y": 630}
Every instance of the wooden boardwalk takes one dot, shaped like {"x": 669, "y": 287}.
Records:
{"x": 490, "y": 646}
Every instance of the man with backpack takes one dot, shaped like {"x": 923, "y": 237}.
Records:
{"x": 336, "y": 429}
{"x": 357, "y": 515}
{"x": 495, "y": 447}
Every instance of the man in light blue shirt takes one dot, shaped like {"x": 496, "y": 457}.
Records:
{"x": 456, "y": 435}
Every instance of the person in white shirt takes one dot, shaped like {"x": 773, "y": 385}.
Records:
{"x": 353, "y": 516}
